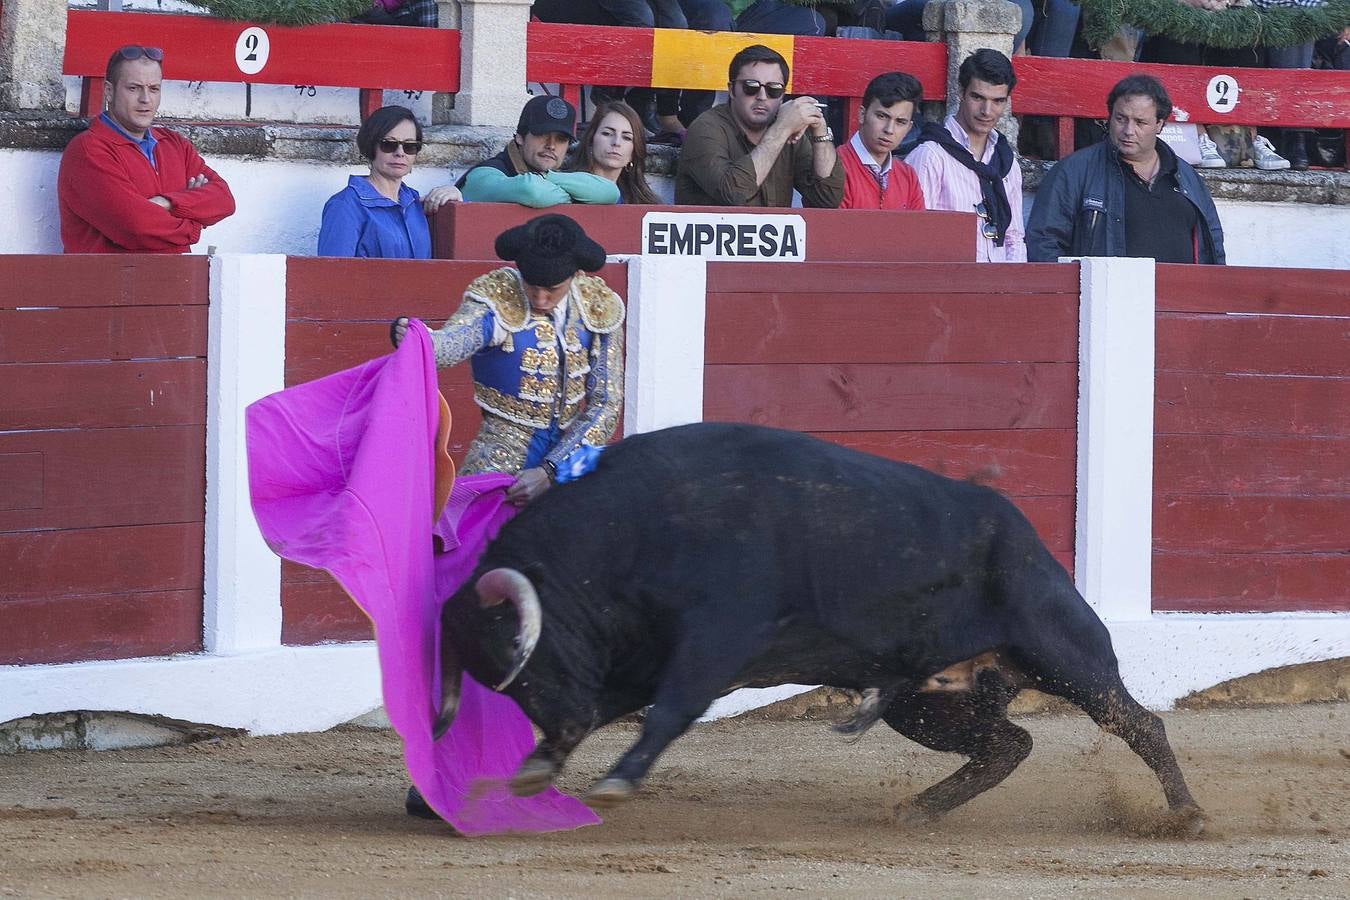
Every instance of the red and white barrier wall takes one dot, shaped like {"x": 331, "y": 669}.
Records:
{"x": 127, "y": 597}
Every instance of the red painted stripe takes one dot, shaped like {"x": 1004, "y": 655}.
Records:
{"x": 103, "y": 395}
{"x": 1252, "y": 464}
{"x": 893, "y": 397}
{"x": 316, "y": 611}
{"x": 1251, "y": 582}
{"x": 94, "y": 561}
{"x": 198, "y": 48}
{"x": 1078, "y": 87}
{"x": 95, "y": 279}
{"x": 1198, "y": 522}
{"x": 581, "y": 54}
{"x": 891, "y": 328}
{"x": 1253, "y": 344}
{"x": 1017, "y": 462}
{"x": 900, "y": 278}
{"x": 1241, "y": 289}
{"x": 143, "y": 476}
{"x": 840, "y": 67}
{"x": 113, "y": 625}
{"x": 101, "y": 333}
{"x": 1190, "y": 403}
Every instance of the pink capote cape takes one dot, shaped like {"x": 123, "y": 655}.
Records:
{"x": 341, "y": 473}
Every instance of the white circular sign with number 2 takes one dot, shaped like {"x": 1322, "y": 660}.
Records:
{"x": 1222, "y": 93}
{"x": 251, "y": 50}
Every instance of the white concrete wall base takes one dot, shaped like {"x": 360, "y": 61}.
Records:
{"x": 1170, "y": 655}
{"x": 276, "y": 691}
{"x": 746, "y": 699}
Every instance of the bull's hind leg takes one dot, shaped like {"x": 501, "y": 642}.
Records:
{"x": 1112, "y": 707}
{"x": 704, "y": 663}
{"x": 973, "y": 723}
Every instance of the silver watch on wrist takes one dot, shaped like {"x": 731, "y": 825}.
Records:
{"x": 822, "y": 138}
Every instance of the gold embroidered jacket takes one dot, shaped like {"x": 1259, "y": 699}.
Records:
{"x": 528, "y": 376}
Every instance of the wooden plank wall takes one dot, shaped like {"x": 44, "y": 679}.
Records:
{"x": 962, "y": 368}
{"x": 337, "y": 317}
{"x": 1252, "y": 447}
{"x": 102, "y": 456}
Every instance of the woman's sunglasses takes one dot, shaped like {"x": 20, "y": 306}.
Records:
{"x": 135, "y": 51}
{"x": 987, "y": 227}
{"x": 750, "y": 88}
{"x": 389, "y": 145}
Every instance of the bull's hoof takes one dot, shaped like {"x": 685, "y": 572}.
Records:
{"x": 609, "y": 791}
{"x": 909, "y": 814}
{"x": 533, "y": 776}
{"x": 1186, "y": 822}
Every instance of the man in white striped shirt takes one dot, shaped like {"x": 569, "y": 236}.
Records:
{"x": 966, "y": 165}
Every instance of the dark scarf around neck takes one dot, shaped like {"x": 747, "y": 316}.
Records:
{"x": 991, "y": 175}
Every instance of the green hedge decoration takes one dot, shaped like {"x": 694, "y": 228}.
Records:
{"x": 298, "y": 12}
{"x": 1247, "y": 26}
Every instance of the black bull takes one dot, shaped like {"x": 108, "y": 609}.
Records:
{"x": 707, "y": 557}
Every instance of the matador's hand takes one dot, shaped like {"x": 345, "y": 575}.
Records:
{"x": 398, "y": 330}
{"x": 530, "y": 484}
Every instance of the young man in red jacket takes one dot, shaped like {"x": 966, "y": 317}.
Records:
{"x": 873, "y": 178}
{"x": 128, "y": 187}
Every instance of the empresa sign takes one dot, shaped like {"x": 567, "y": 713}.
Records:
{"x": 728, "y": 237}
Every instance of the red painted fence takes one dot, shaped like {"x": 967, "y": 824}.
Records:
{"x": 966, "y": 369}
{"x": 197, "y": 48}
{"x": 1252, "y": 448}
{"x": 102, "y": 456}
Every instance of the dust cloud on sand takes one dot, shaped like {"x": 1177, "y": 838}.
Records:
{"x": 738, "y": 808}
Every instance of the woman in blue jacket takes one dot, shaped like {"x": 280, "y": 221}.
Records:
{"x": 377, "y": 215}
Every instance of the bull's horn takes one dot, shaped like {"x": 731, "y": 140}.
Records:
{"x": 508, "y": 584}
{"x": 450, "y": 686}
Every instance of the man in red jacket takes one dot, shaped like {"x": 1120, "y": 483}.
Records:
{"x": 873, "y": 178}
{"x": 128, "y": 187}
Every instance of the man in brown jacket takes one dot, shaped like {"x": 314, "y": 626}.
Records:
{"x": 755, "y": 149}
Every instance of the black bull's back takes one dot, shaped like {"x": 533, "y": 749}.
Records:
{"x": 850, "y": 560}
{"x": 703, "y": 557}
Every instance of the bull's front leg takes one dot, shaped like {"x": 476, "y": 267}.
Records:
{"x": 540, "y": 768}
{"x": 703, "y": 664}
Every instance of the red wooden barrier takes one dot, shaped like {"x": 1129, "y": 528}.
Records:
{"x": 197, "y": 48}
{"x": 576, "y": 55}
{"x": 469, "y": 230}
{"x": 1068, "y": 88}
{"x": 337, "y": 316}
{"x": 1252, "y": 448}
{"x": 964, "y": 369}
{"x": 102, "y": 456}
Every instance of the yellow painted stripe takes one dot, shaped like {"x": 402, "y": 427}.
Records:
{"x": 699, "y": 59}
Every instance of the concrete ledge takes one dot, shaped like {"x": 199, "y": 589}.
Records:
{"x": 275, "y": 691}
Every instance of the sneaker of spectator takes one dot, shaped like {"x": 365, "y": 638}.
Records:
{"x": 1267, "y": 160}
{"x": 1209, "y": 154}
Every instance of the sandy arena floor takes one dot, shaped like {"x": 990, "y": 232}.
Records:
{"x": 734, "y": 809}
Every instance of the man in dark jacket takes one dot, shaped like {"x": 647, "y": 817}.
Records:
{"x": 1129, "y": 195}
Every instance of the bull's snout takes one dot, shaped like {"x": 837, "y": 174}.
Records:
{"x": 508, "y": 584}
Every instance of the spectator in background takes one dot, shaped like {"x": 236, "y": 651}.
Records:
{"x": 127, "y": 187}
{"x": 614, "y": 147}
{"x": 754, "y": 149}
{"x": 526, "y": 171}
{"x": 966, "y": 164}
{"x": 873, "y": 177}
{"x": 906, "y": 17}
{"x": 633, "y": 14}
{"x": 377, "y": 215}
{"x": 421, "y": 13}
{"x": 1127, "y": 196}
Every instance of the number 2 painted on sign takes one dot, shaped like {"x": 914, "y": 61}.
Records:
{"x": 1222, "y": 93}
{"x": 251, "y": 50}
